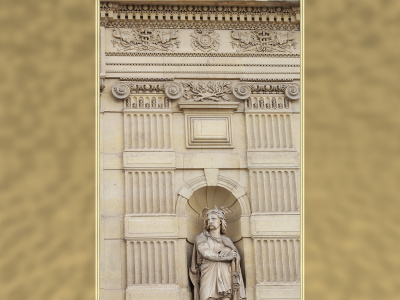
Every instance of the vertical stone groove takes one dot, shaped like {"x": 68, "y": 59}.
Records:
{"x": 148, "y": 131}
{"x": 273, "y": 191}
{"x": 278, "y": 260}
{"x": 151, "y": 262}
{"x": 269, "y": 131}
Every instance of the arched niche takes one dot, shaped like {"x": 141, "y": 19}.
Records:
{"x": 198, "y": 194}
{"x": 211, "y": 196}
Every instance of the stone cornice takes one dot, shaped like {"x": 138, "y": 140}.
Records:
{"x": 112, "y": 12}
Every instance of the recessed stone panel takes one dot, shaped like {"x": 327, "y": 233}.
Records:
{"x": 151, "y": 226}
{"x": 208, "y": 131}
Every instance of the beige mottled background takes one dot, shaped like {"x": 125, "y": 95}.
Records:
{"x": 47, "y": 141}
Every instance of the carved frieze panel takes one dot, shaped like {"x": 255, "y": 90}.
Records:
{"x": 203, "y": 91}
{"x": 145, "y": 39}
{"x": 264, "y": 41}
{"x": 149, "y": 40}
{"x": 205, "y": 40}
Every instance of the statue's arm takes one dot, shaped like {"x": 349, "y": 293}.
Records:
{"x": 214, "y": 256}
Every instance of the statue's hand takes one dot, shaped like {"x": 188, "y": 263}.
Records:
{"x": 224, "y": 252}
{"x": 229, "y": 255}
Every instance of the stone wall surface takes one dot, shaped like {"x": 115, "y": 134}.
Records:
{"x": 200, "y": 107}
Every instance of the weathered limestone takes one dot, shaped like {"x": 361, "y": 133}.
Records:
{"x": 200, "y": 107}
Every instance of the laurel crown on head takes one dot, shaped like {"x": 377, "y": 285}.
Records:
{"x": 219, "y": 212}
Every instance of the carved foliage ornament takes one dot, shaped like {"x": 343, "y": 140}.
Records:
{"x": 211, "y": 91}
{"x": 205, "y": 40}
{"x": 143, "y": 39}
{"x": 263, "y": 41}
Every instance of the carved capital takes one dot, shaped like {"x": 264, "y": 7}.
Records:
{"x": 120, "y": 90}
{"x": 174, "y": 90}
{"x": 242, "y": 91}
{"x": 293, "y": 91}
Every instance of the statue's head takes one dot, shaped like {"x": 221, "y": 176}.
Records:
{"x": 215, "y": 218}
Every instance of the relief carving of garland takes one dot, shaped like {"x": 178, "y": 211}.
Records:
{"x": 205, "y": 40}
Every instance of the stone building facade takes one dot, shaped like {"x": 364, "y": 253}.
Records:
{"x": 199, "y": 107}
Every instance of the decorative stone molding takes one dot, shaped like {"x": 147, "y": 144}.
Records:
{"x": 272, "y": 102}
{"x": 204, "y": 40}
{"x": 211, "y": 91}
{"x": 199, "y": 91}
{"x": 174, "y": 90}
{"x": 111, "y": 13}
{"x": 242, "y": 91}
{"x": 264, "y": 41}
{"x": 145, "y": 39}
{"x": 293, "y": 91}
{"x": 206, "y": 54}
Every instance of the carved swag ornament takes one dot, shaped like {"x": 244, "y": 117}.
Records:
{"x": 215, "y": 269}
{"x": 263, "y": 41}
{"x": 143, "y": 39}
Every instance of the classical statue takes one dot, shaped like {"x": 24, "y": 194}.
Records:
{"x": 215, "y": 268}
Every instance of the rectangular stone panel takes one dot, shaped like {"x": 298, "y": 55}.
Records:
{"x": 147, "y": 130}
{"x": 269, "y": 131}
{"x": 277, "y": 260}
{"x": 149, "y": 160}
{"x": 151, "y": 226}
{"x": 264, "y": 159}
{"x": 274, "y": 190}
{"x": 148, "y": 191}
{"x": 280, "y": 292}
{"x": 208, "y": 131}
{"x": 152, "y": 292}
{"x": 151, "y": 262}
{"x": 263, "y": 225}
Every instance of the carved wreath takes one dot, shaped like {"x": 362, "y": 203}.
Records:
{"x": 211, "y": 91}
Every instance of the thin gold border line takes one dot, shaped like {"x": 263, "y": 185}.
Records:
{"x": 302, "y": 98}
{"x": 97, "y": 149}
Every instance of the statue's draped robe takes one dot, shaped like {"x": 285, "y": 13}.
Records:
{"x": 212, "y": 279}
